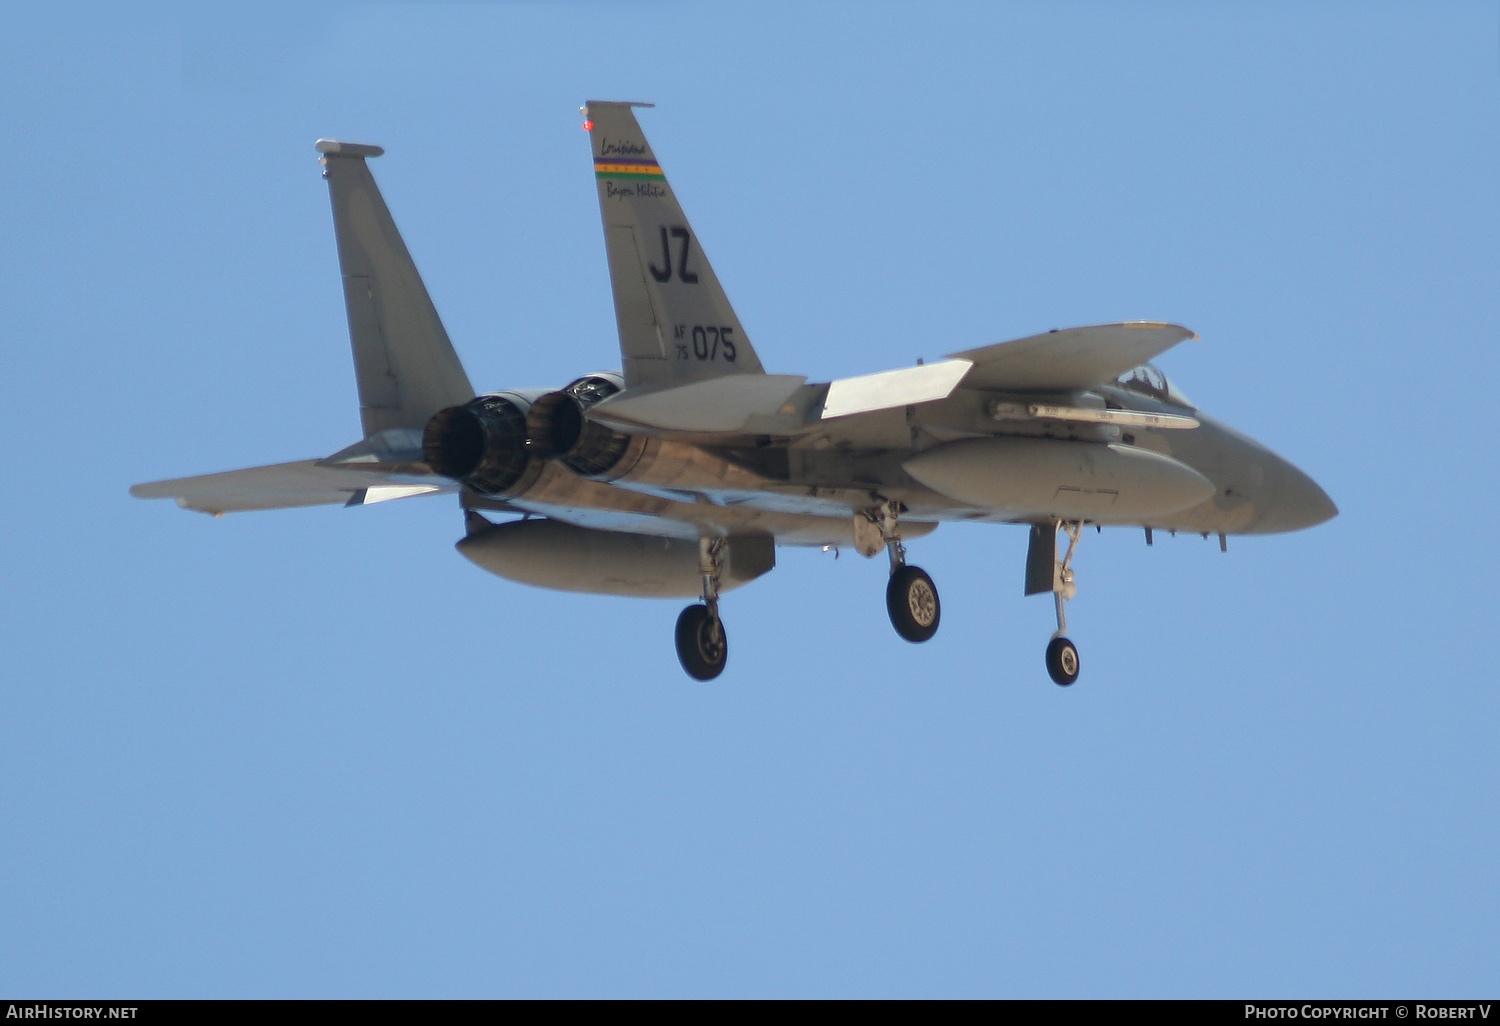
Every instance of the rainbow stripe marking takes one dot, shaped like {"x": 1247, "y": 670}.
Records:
{"x": 627, "y": 167}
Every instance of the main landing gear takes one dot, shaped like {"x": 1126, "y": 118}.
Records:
{"x": 910, "y": 596}
{"x": 702, "y": 645}
{"x": 1045, "y": 572}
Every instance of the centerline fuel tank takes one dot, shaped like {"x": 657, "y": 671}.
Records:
{"x": 552, "y": 554}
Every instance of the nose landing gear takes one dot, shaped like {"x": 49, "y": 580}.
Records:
{"x": 702, "y": 644}
{"x": 1044, "y": 573}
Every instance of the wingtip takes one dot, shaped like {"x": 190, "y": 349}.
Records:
{"x": 1188, "y": 334}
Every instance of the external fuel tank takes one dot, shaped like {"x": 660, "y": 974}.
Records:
{"x": 552, "y": 554}
{"x": 1073, "y": 480}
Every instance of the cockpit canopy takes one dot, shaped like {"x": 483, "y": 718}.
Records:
{"x": 1146, "y": 380}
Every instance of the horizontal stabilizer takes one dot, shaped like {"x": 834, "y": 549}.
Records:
{"x": 289, "y": 485}
{"x": 725, "y": 405}
{"x": 888, "y": 389}
{"x": 1071, "y": 358}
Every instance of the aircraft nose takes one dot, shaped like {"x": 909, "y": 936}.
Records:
{"x": 1298, "y": 503}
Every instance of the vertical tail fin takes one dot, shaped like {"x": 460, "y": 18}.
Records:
{"x": 405, "y": 366}
{"x": 676, "y": 324}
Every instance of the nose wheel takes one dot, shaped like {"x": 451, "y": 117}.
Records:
{"x": 702, "y": 644}
{"x": 1062, "y": 661}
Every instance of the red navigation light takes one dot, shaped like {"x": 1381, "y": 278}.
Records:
{"x": 588, "y": 126}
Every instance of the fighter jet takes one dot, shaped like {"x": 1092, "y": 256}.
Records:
{"x": 680, "y": 473}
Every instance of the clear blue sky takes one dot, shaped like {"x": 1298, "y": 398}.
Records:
{"x": 317, "y": 753}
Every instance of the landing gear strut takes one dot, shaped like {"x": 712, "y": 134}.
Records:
{"x": 911, "y": 598}
{"x": 702, "y": 645}
{"x": 1045, "y": 572}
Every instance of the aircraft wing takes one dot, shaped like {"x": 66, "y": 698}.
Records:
{"x": 1071, "y": 358}
{"x": 1056, "y": 361}
{"x": 288, "y": 485}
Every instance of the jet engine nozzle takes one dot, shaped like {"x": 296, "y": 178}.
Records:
{"x": 554, "y": 424}
{"x": 481, "y": 443}
{"x": 559, "y": 430}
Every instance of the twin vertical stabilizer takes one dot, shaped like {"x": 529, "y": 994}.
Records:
{"x": 676, "y": 324}
{"x": 404, "y": 364}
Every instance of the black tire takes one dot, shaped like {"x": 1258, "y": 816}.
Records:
{"x": 912, "y": 600}
{"x": 1062, "y": 661}
{"x": 702, "y": 645}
